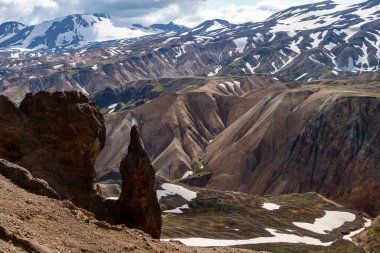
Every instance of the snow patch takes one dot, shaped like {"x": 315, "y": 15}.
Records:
{"x": 250, "y": 68}
{"x": 178, "y": 209}
{"x": 276, "y": 237}
{"x": 271, "y": 206}
{"x": 215, "y": 26}
{"x": 187, "y": 174}
{"x": 216, "y": 70}
{"x": 172, "y": 189}
{"x": 240, "y": 44}
{"x": 58, "y": 66}
{"x": 329, "y": 222}
{"x": 301, "y": 76}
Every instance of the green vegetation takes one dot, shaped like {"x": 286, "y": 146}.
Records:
{"x": 339, "y": 246}
{"x": 374, "y": 233}
{"x": 156, "y": 164}
{"x": 197, "y": 174}
{"x": 159, "y": 89}
{"x": 18, "y": 96}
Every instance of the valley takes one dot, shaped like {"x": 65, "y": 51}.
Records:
{"x": 220, "y": 137}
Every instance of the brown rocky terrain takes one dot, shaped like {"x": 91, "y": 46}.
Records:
{"x": 187, "y": 118}
{"x": 39, "y": 224}
{"x": 57, "y": 137}
{"x": 259, "y": 136}
{"x": 22, "y": 177}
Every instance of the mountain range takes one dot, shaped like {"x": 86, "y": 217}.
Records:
{"x": 303, "y": 43}
{"x": 262, "y": 135}
{"x": 74, "y": 31}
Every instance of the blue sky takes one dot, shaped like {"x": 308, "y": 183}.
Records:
{"x": 146, "y": 12}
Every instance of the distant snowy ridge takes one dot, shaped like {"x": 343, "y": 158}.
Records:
{"x": 74, "y": 30}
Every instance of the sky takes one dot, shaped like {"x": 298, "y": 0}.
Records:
{"x": 126, "y": 12}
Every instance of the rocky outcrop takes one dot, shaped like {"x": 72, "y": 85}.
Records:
{"x": 22, "y": 177}
{"x": 57, "y": 137}
{"x": 337, "y": 154}
{"x": 138, "y": 202}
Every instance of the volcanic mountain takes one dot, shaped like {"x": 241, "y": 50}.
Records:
{"x": 254, "y": 135}
{"x": 308, "y": 42}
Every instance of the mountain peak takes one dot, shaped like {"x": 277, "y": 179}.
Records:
{"x": 170, "y": 27}
{"x": 74, "y": 30}
{"x": 9, "y": 28}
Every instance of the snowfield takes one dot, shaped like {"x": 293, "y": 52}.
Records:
{"x": 276, "y": 237}
{"x": 329, "y": 222}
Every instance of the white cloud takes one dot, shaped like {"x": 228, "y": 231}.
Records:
{"x": 192, "y": 15}
{"x": 146, "y": 12}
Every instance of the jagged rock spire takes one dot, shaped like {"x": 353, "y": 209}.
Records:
{"x": 138, "y": 199}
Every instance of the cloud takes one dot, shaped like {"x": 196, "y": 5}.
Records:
{"x": 34, "y": 11}
{"x": 146, "y": 12}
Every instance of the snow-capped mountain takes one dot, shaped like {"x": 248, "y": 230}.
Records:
{"x": 73, "y": 31}
{"x": 311, "y": 41}
{"x": 9, "y": 29}
{"x": 302, "y": 43}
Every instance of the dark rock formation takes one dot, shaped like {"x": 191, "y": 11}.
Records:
{"x": 303, "y": 141}
{"x": 337, "y": 154}
{"x": 22, "y": 177}
{"x": 138, "y": 200}
{"x": 57, "y": 137}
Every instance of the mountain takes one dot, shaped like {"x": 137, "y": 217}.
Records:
{"x": 303, "y": 43}
{"x": 160, "y": 28}
{"x": 170, "y": 27}
{"x": 70, "y": 31}
{"x": 256, "y": 135}
{"x": 9, "y": 29}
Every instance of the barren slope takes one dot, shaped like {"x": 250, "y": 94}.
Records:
{"x": 261, "y": 137}
{"x": 31, "y": 223}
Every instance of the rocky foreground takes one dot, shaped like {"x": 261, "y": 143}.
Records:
{"x": 57, "y": 137}
{"x": 32, "y": 223}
